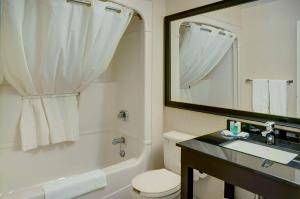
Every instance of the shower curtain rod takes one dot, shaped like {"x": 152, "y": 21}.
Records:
{"x": 89, "y": 4}
{"x": 187, "y": 24}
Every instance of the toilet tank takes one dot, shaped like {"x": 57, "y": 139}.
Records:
{"x": 171, "y": 151}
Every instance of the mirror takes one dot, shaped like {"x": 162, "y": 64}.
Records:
{"x": 235, "y": 57}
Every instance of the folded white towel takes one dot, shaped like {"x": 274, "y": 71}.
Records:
{"x": 278, "y": 97}
{"x": 73, "y": 186}
{"x": 260, "y": 95}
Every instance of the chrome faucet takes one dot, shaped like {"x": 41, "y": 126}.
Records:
{"x": 120, "y": 140}
{"x": 269, "y": 133}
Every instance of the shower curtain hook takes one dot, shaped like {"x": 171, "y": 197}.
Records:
{"x": 87, "y": 3}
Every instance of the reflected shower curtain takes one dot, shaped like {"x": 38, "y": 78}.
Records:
{"x": 202, "y": 48}
{"x": 50, "y": 51}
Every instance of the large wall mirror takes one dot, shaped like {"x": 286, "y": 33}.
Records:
{"x": 236, "y": 58}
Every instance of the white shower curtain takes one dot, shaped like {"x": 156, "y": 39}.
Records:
{"x": 202, "y": 48}
{"x": 50, "y": 51}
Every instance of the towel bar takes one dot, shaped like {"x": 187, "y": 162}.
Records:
{"x": 287, "y": 81}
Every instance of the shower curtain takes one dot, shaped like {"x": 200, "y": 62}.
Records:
{"x": 202, "y": 48}
{"x": 51, "y": 50}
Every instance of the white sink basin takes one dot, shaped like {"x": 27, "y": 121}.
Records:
{"x": 269, "y": 153}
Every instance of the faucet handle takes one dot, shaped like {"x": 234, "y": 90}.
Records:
{"x": 269, "y": 126}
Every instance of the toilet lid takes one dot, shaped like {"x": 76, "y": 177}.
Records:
{"x": 156, "y": 183}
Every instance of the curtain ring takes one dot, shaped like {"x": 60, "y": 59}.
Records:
{"x": 113, "y": 9}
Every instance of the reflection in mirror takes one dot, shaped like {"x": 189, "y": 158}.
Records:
{"x": 201, "y": 50}
{"x": 242, "y": 57}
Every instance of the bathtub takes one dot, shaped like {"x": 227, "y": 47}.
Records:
{"x": 117, "y": 187}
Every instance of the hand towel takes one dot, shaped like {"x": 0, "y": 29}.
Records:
{"x": 260, "y": 96}
{"x": 67, "y": 188}
{"x": 278, "y": 97}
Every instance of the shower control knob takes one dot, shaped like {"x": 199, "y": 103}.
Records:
{"x": 123, "y": 115}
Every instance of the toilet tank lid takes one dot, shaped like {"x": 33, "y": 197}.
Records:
{"x": 177, "y": 136}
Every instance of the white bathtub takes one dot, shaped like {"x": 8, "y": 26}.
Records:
{"x": 119, "y": 178}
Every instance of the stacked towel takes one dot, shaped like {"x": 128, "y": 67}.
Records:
{"x": 269, "y": 96}
{"x": 278, "y": 97}
{"x": 260, "y": 95}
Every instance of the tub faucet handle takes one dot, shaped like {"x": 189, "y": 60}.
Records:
{"x": 120, "y": 140}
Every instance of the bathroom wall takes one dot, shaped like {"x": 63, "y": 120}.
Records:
{"x": 129, "y": 77}
{"x": 193, "y": 122}
{"x": 120, "y": 87}
{"x": 269, "y": 46}
{"x": 157, "y": 83}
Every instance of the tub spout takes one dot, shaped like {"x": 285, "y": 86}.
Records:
{"x": 120, "y": 140}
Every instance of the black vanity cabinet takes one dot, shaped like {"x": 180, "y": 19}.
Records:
{"x": 206, "y": 154}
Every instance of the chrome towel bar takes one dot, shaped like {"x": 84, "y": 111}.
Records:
{"x": 287, "y": 81}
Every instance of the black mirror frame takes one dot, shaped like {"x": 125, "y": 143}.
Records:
{"x": 247, "y": 115}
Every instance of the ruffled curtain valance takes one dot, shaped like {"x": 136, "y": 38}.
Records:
{"x": 50, "y": 48}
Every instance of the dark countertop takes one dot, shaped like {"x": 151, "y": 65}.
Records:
{"x": 211, "y": 144}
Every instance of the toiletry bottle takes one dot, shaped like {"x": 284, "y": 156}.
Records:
{"x": 239, "y": 126}
{"x": 232, "y": 126}
{"x": 235, "y": 129}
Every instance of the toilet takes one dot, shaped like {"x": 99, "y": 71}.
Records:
{"x": 163, "y": 183}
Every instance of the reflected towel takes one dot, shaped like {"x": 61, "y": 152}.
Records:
{"x": 278, "y": 97}
{"x": 71, "y": 187}
{"x": 260, "y": 95}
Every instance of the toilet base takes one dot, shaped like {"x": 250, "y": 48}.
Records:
{"x": 135, "y": 195}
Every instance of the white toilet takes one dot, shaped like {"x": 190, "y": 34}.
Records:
{"x": 163, "y": 183}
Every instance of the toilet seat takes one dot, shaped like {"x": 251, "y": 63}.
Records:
{"x": 156, "y": 183}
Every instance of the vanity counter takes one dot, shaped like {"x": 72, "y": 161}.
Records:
{"x": 207, "y": 154}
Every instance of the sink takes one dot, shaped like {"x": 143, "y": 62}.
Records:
{"x": 261, "y": 151}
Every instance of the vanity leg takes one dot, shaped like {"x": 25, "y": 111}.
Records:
{"x": 187, "y": 179}
{"x": 228, "y": 191}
